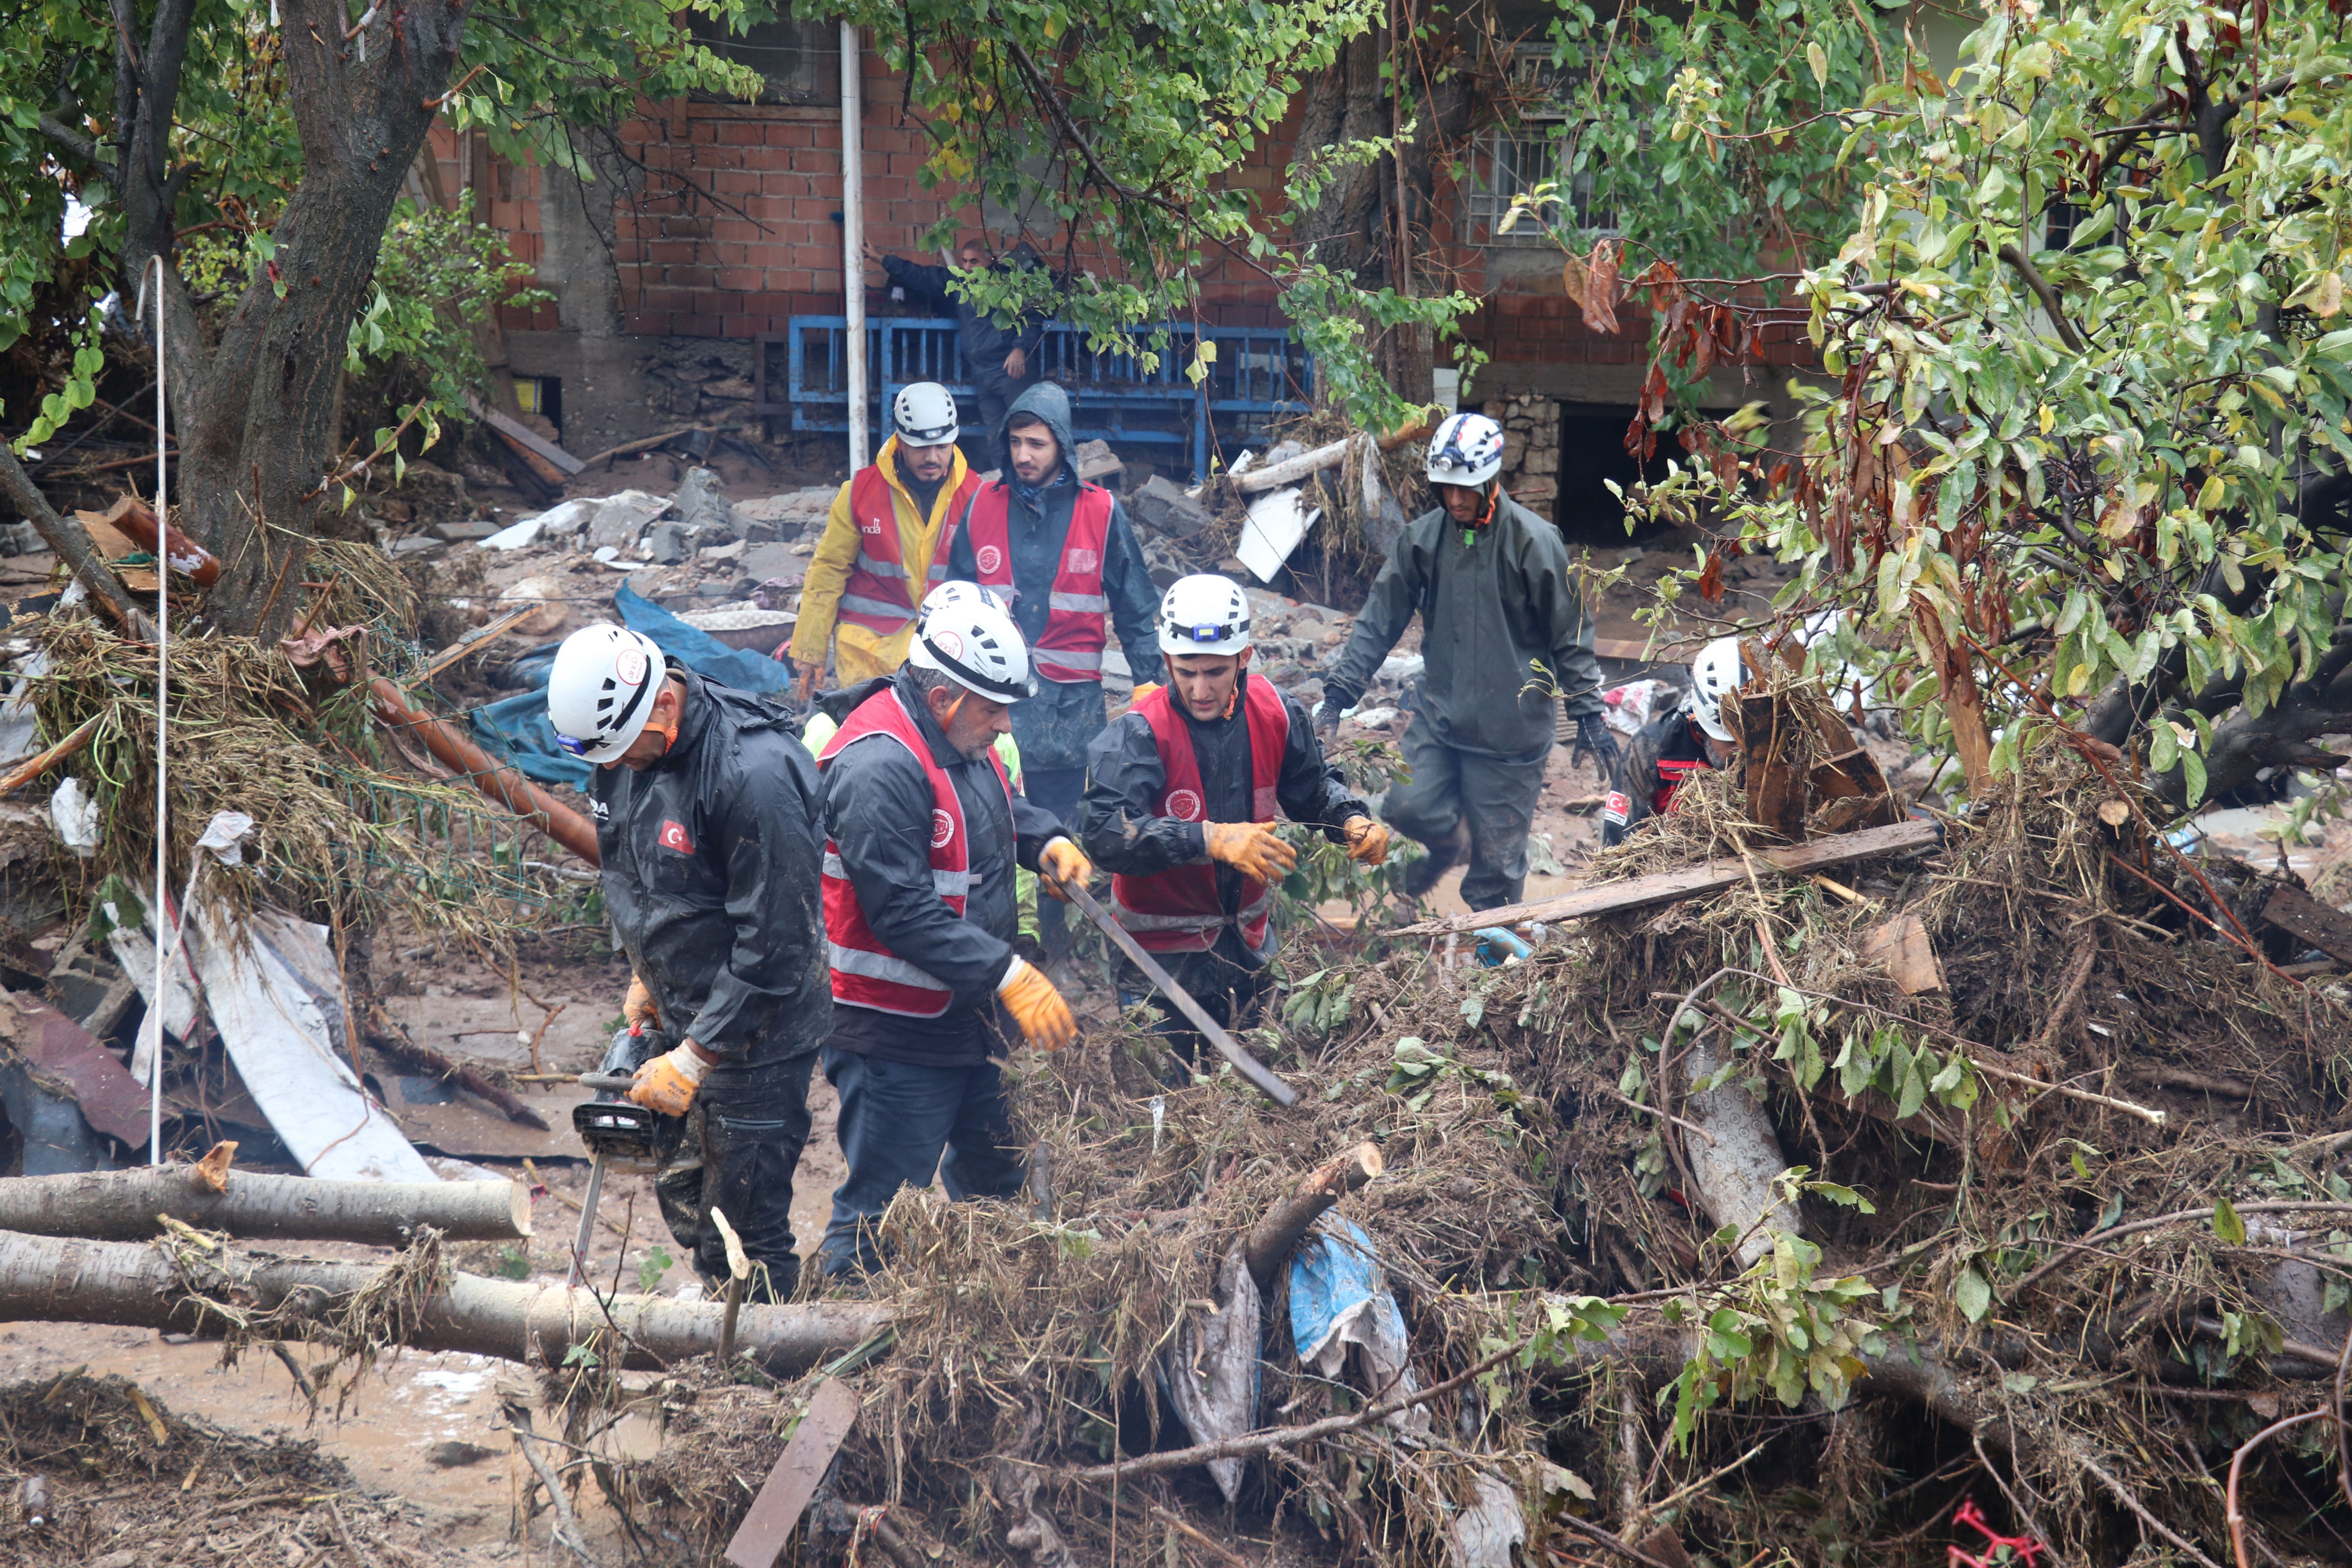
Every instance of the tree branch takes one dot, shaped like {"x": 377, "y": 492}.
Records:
{"x": 2051, "y": 304}
{"x": 82, "y": 148}
{"x": 71, "y": 543}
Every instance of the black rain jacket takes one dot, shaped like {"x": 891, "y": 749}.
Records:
{"x": 711, "y": 857}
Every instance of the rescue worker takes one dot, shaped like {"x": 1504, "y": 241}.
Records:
{"x": 1669, "y": 749}
{"x": 1490, "y": 580}
{"x": 1001, "y": 361}
{"x": 1181, "y": 796}
{"x": 879, "y": 541}
{"x": 708, "y": 827}
{"x": 923, "y": 833}
{"x": 1062, "y": 556}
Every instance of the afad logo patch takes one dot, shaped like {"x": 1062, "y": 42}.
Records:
{"x": 1083, "y": 563}
{"x": 989, "y": 559}
{"x": 673, "y": 836}
{"x": 1184, "y": 805}
{"x": 942, "y": 827}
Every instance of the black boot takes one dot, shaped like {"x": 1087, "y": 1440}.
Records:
{"x": 1442, "y": 857}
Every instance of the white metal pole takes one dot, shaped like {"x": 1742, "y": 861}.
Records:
{"x": 162, "y": 728}
{"x": 853, "y": 234}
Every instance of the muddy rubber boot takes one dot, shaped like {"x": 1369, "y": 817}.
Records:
{"x": 1442, "y": 857}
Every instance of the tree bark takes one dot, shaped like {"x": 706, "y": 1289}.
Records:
{"x": 1272, "y": 1238}
{"x": 43, "y": 1279}
{"x": 1734, "y": 1165}
{"x": 123, "y": 1206}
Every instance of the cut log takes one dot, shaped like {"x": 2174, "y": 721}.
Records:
{"x": 1694, "y": 881}
{"x": 1734, "y": 1165}
{"x": 1272, "y": 1238}
{"x": 45, "y": 1280}
{"x": 123, "y": 1206}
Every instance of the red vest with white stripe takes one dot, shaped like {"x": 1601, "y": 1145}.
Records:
{"x": 866, "y": 974}
{"x": 877, "y": 594}
{"x": 1071, "y": 648}
{"x": 1178, "y": 911}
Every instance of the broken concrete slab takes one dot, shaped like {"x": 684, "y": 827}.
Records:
{"x": 1158, "y": 505}
{"x": 619, "y": 519}
{"x": 703, "y": 509}
{"x": 471, "y": 530}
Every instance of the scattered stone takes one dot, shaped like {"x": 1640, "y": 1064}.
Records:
{"x": 703, "y": 509}
{"x": 1160, "y": 506}
{"x": 619, "y": 519}
{"x": 1097, "y": 462}
{"x": 764, "y": 561}
{"x": 466, "y": 532}
{"x": 665, "y": 545}
{"x": 447, "y": 1456}
{"x": 413, "y": 545}
{"x": 784, "y": 517}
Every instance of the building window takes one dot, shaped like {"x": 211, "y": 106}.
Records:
{"x": 801, "y": 61}
{"x": 1513, "y": 160}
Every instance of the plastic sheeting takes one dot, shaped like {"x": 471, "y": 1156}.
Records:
{"x": 1339, "y": 1300}
{"x": 517, "y": 727}
{"x": 1212, "y": 1370}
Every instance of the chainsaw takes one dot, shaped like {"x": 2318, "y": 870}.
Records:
{"x": 617, "y": 1131}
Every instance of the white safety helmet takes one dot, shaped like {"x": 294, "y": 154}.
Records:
{"x": 601, "y": 689}
{"x": 924, "y": 415}
{"x": 976, "y": 645}
{"x": 1203, "y": 613}
{"x": 1468, "y": 450}
{"x": 1716, "y": 670}
{"x": 957, "y": 593}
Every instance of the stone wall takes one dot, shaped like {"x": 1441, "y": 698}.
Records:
{"x": 1530, "y": 450}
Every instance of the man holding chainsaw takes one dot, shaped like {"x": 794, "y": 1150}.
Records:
{"x": 1180, "y": 799}
{"x": 708, "y": 824}
{"x": 923, "y": 835}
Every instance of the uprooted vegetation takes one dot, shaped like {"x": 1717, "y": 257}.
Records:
{"x": 1740, "y": 1239}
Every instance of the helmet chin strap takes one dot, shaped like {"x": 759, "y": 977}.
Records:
{"x": 667, "y": 730}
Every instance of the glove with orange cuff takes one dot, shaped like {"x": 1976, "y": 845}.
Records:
{"x": 638, "y": 1007}
{"x": 1250, "y": 847}
{"x": 1063, "y": 861}
{"x": 668, "y": 1083}
{"x": 1044, "y": 1018}
{"x": 1368, "y": 841}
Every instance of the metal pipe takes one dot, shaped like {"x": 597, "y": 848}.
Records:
{"x": 501, "y": 783}
{"x": 853, "y": 233}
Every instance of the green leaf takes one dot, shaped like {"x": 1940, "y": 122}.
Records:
{"x": 1973, "y": 1294}
{"x": 2227, "y": 1225}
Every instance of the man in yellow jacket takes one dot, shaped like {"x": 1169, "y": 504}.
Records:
{"x": 878, "y": 556}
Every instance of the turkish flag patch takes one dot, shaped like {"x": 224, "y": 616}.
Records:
{"x": 673, "y": 836}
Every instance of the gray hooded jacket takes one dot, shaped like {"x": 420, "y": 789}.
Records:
{"x": 1054, "y": 727}
{"x": 1491, "y": 610}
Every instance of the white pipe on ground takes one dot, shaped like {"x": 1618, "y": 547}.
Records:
{"x": 853, "y": 234}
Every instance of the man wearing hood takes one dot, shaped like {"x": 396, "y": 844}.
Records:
{"x": 1061, "y": 551}
{"x": 1000, "y": 360}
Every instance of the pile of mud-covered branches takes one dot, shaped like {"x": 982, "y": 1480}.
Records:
{"x": 1997, "y": 1179}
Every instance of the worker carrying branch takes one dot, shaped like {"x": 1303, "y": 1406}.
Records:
{"x": 1502, "y": 629}
{"x": 1690, "y": 737}
{"x": 923, "y": 833}
{"x": 707, "y": 827}
{"x": 1179, "y": 797}
{"x": 879, "y": 542}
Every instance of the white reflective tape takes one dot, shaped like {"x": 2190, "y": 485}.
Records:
{"x": 947, "y": 884}
{"x": 879, "y": 568}
{"x": 1083, "y": 603}
{"x": 858, "y": 603}
{"x": 882, "y": 966}
{"x": 1065, "y": 658}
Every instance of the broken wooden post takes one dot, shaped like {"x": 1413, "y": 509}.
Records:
{"x": 1272, "y": 1238}
{"x": 123, "y": 1206}
{"x": 2304, "y": 917}
{"x": 1772, "y": 743}
{"x": 46, "y": 1280}
{"x": 759, "y": 1540}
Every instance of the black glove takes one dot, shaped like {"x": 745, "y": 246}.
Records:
{"x": 1594, "y": 740}
{"x": 1327, "y": 712}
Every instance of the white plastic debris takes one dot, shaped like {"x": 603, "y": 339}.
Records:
{"x": 515, "y": 536}
{"x": 73, "y": 813}
{"x": 1279, "y": 520}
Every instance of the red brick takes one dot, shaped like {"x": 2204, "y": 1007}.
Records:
{"x": 737, "y": 133}
{"x": 740, "y": 279}
{"x": 784, "y": 133}
{"x": 743, "y": 326}
{"x": 798, "y": 280}
{"x": 645, "y": 326}
{"x": 701, "y": 326}
{"x": 736, "y": 183}
{"x": 664, "y": 298}
{"x": 697, "y": 278}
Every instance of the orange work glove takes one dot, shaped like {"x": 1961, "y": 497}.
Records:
{"x": 1142, "y": 691}
{"x": 1249, "y": 848}
{"x": 638, "y": 1007}
{"x": 1368, "y": 841}
{"x": 1063, "y": 861}
{"x": 803, "y": 685}
{"x": 1044, "y": 1018}
{"x": 668, "y": 1083}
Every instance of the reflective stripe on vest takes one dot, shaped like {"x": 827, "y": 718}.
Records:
{"x": 876, "y": 595}
{"x": 1178, "y": 909}
{"x": 865, "y": 973}
{"x": 1070, "y": 648}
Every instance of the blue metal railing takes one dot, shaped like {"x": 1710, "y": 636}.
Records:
{"x": 1258, "y": 373}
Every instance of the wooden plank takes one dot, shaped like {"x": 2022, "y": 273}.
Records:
{"x": 1778, "y": 790}
{"x": 759, "y": 1540}
{"x": 1694, "y": 881}
{"x": 1901, "y": 943}
{"x": 531, "y": 440}
{"x": 2301, "y": 916}
{"x": 1639, "y": 651}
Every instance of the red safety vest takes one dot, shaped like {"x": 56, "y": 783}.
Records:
{"x": 1071, "y": 648}
{"x": 1178, "y": 911}
{"x": 877, "y": 596}
{"x": 866, "y": 974}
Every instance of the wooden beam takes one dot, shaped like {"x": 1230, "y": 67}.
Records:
{"x": 1695, "y": 881}
{"x": 531, "y": 440}
{"x": 2304, "y": 917}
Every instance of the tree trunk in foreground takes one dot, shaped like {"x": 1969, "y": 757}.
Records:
{"x": 123, "y": 1206}
{"x": 50, "y": 1280}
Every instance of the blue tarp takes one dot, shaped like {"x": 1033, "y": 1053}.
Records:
{"x": 1334, "y": 1280}
{"x": 517, "y": 727}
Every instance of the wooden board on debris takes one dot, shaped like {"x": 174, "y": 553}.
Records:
{"x": 1694, "y": 881}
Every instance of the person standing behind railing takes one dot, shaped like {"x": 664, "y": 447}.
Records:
{"x": 1001, "y": 361}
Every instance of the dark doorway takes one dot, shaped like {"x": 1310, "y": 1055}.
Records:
{"x": 1591, "y": 452}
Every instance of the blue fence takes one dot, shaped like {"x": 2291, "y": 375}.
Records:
{"x": 1258, "y": 373}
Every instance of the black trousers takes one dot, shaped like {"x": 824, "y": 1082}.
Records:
{"x": 749, "y": 1127}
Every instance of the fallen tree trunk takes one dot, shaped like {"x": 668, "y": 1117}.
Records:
{"x": 122, "y": 1205}
{"x": 1734, "y": 1165}
{"x": 50, "y": 1281}
{"x": 1272, "y": 1238}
